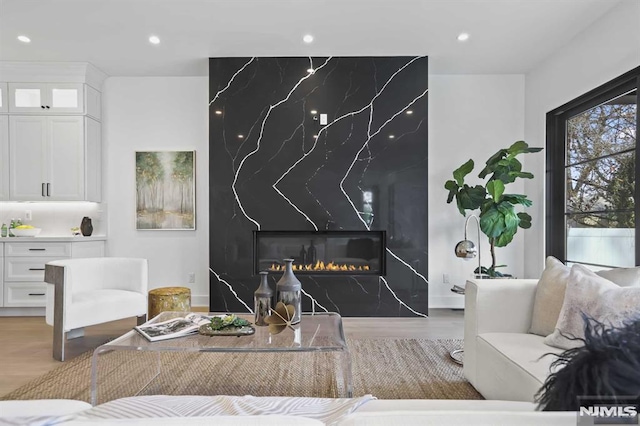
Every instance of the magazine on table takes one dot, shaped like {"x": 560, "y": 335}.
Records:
{"x": 176, "y": 327}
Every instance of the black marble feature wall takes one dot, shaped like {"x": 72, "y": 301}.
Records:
{"x": 337, "y": 143}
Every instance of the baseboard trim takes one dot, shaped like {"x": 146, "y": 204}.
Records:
{"x": 449, "y": 302}
{"x": 22, "y": 312}
{"x": 201, "y": 301}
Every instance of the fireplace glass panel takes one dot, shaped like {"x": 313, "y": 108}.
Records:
{"x": 321, "y": 252}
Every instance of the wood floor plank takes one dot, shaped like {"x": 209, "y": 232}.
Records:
{"x": 26, "y": 342}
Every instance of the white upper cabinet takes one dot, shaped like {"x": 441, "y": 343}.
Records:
{"x": 4, "y": 107}
{"x": 50, "y": 131}
{"x": 93, "y": 102}
{"x": 47, "y": 161}
{"x": 4, "y": 158}
{"x": 46, "y": 98}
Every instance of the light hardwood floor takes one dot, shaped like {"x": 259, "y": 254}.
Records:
{"x": 26, "y": 342}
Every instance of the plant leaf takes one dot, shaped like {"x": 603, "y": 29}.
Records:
{"x": 511, "y": 221}
{"x": 453, "y": 187}
{"x": 525, "y": 220}
{"x": 462, "y": 171}
{"x": 470, "y": 198}
{"x": 492, "y": 222}
{"x": 495, "y": 188}
{"x": 504, "y": 169}
{"x": 517, "y": 199}
{"x": 506, "y": 237}
{"x": 491, "y": 163}
{"x": 521, "y": 147}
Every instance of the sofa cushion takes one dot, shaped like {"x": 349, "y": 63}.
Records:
{"x": 272, "y": 420}
{"x": 513, "y": 365}
{"x": 549, "y": 296}
{"x": 624, "y": 277}
{"x": 41, "y": 407}
{"x": 382, "y": 405}
{"x": 99, "y": 306}
{"x": 459, "y": 418}
{"x": 552, "y": 286}
{"x": 596, "y": 297}
{"x": 326, "y": 410}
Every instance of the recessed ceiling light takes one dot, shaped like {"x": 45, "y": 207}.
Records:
{"x": 218, "y": 112}
{"x": 392, "y": 136}
{"x": 409, "y": 112}
{"x": 24, "y": 39}
{"x": 463, "y": 37}
{"x": 313, "y": 111}
{"x": 240, "y": 136}
{"x": 154, "y": 40}
{"x": 307, "y": 38}
{"x": 315, "y": 136}
{"x": 311, "y": 70}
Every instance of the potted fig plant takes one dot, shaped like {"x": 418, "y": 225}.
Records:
{"x": 499, "y": 220}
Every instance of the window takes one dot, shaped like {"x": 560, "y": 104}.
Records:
{"x": 592, "y": 214}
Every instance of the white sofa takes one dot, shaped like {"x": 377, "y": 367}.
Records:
{"x": 501, "y": 359}
{"x": 267, "y": 411}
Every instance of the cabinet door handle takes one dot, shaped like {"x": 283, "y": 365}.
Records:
{"x": 37, "y": 249}
{"x": 42, "y": 106}
{"x": 48, "y": 190}
{"x": 48, "y": 107}
{"x": 36, "y": 269}
{"x": 36, "y": 294}
{"x": 43, "y": 189}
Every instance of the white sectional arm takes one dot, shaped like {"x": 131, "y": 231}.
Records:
{"x": 495, "y": 305}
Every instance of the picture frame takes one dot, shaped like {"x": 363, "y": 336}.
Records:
{"x": 165, "y": 190}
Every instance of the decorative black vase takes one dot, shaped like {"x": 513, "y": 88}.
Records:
{"x": 86, "y": 227}
{"x": 311, "y": 254}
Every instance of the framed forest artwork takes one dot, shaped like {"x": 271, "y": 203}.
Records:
{"x": 165, "y": 190}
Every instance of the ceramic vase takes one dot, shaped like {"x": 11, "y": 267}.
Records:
{"x": 86, "y": 227}
{"x": 289, "y": 289}
{"x": 262, "y": 299}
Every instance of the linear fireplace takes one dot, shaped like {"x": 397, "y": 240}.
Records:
{"x": 321, "y": 252}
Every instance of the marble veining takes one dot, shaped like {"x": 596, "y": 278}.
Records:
{"x": 273, "y": 166}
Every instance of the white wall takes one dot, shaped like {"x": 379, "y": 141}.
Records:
{"x": 470, "y": 116}
{"x": 157, "y": 113}
{"x": 605, "y": 50}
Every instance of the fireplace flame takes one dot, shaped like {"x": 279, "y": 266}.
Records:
{"x": 321, "y": 267}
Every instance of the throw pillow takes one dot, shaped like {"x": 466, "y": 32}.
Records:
{"x": 596, "y": 297}
{"x": 549, "y": 297}
{"x": 624, "y": 277}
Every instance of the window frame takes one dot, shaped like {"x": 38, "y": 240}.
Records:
{"x": 556, "y": 152}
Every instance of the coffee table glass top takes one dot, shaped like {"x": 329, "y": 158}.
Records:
{"x": 315, "y": 332}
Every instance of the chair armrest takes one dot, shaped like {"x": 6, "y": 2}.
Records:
{"x": 495, "y": 305}
{"x": 501, "y": 305}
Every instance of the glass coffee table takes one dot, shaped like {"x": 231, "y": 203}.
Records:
{"x": 312, "y": 359}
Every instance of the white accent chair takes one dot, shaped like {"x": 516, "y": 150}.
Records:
{"x": 85, "y": 292}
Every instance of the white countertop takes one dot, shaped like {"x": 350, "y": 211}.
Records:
{"x": 43, "y": 239}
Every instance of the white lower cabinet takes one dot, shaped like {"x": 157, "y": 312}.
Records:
{"x": 23, "y": 295}
{"x": 23, "y": 263}
{"x": 1, "y": 273}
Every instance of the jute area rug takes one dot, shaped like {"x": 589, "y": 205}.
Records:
{"x": 387, "y": 369}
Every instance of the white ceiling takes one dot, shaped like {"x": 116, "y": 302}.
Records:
{"x": 507, "y": 36}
